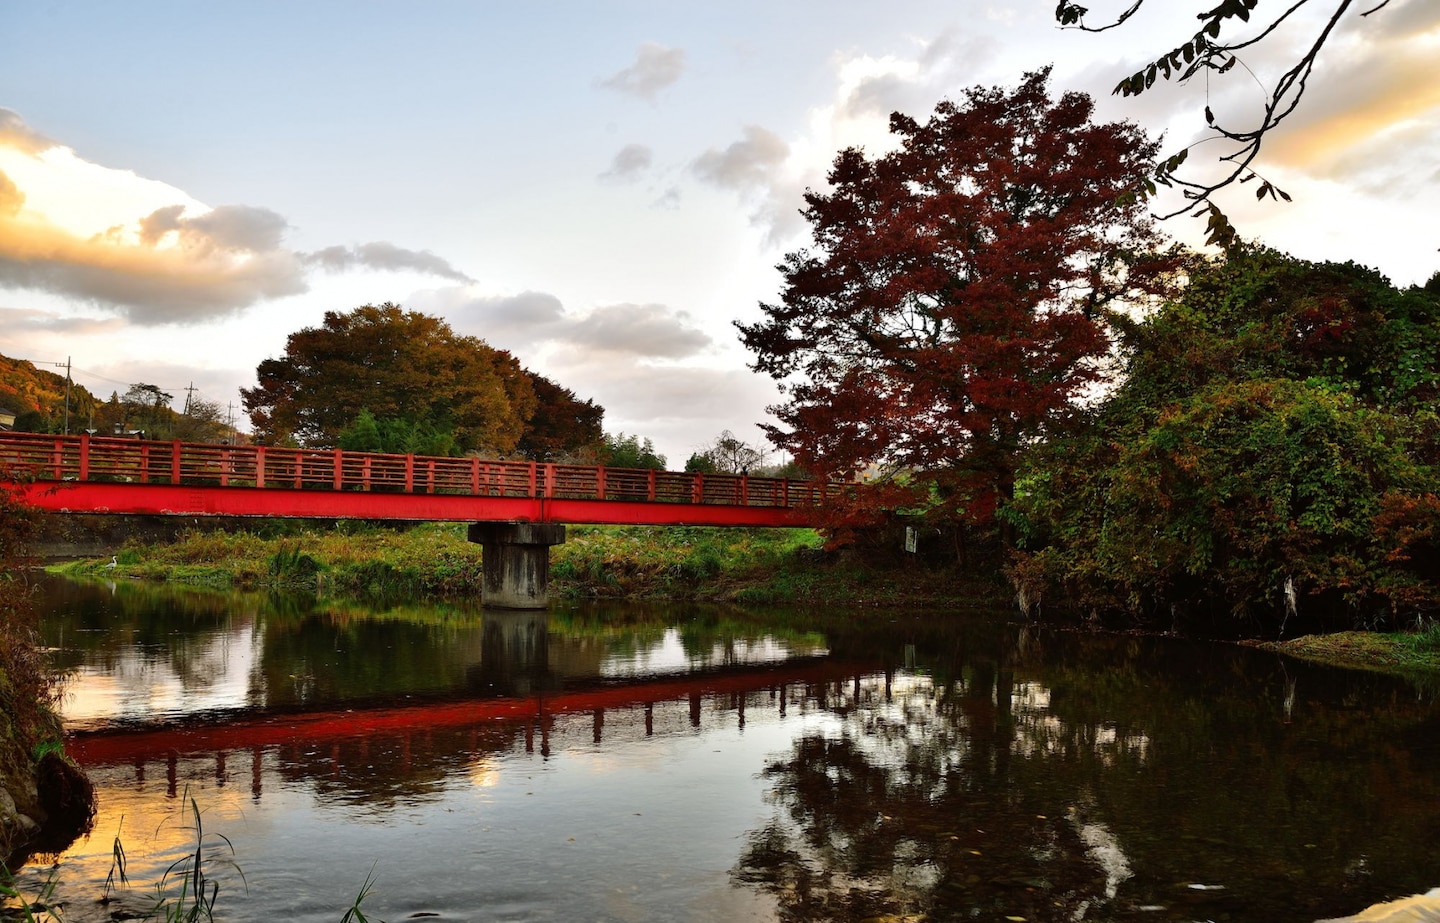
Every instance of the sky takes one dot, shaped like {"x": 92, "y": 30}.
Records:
{"x": 603, "y": 187}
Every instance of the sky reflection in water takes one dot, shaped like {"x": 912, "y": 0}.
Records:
{"x": 690, "y": 764}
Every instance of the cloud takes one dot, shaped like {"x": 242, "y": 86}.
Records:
{"x": 1360, "y": 99}
{"x": 772, "y": 173}
{"x": 681, "y": 407}
{"x": 656, "y": 67}
{"x": 644, "y": 363}
{"x": 108, "y": 237}
{"x": 642, "y": 330}
{"x": 11, "y": 198}
{"x": 533, "y": 322}
{"x": 629, "y": 163}
{"x": 756, "y": 168}
{"x": 383, "y": 255}
{"x": 33, "y": 321}
{"x": 1373, "y": 95}
{"x": 238, "y": 228}
{"x": 14, "y": 133}
{"x": 877, "y": 88}
{"x": 196, "y": 279}
{"x": 519, "y": 323}
{"x": 746, "y": 164}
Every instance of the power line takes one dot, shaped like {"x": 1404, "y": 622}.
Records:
{"x": 88, "y": 373}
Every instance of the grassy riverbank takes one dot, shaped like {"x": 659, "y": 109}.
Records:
{"x": 1397, "y": 652}
{"x": 760, "y": 566}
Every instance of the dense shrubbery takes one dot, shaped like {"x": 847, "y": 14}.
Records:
{"x": 26, "y": 687}
{"x": 1270, "y": 456}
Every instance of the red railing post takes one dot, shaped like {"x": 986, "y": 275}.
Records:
{"x": 474, "y": 475}
{"x": 785, "y": 493}
{"x": 84, "y": 456}
{"x": 430, "y": 476}
{"x": 144, "y": 464}
{"x": 697, "y": 490}
{"x": 225, "y": 467}
{"x": 175, "y": 462}
{"x": 532, "y": 493}
{"x": 57, "y": 458}
{"x": 259, "y": 466}
{"x": 600, "y": 486}
{"x": 299, "y": 468}
{"x": 650, "y": 486}
{"x": 339, "y": 480}
{"x": 409, "y": 473}
{"x": 744, "y": 490}
{"x": 365, "y": 474}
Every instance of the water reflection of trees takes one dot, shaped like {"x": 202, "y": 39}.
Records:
{"x": 314, "y": 651}
{"x": 1069, "y": 777}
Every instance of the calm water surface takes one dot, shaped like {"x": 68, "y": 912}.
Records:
{"x": 628, "y": 763}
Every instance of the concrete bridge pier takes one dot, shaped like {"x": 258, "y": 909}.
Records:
{"x": 515, "y": 558}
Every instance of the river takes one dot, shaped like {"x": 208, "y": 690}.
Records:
{"x": 623, "y": 762}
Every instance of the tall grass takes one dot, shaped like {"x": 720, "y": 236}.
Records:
{"x": 747, "y": 565}
{"x": 187, "y": 891}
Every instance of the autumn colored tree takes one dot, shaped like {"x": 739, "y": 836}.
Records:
{"x": 38, "y": 398}
{"x": 954, "y": 303}
{"x": 563, "y": 425}
{"x": 399, "y": 365}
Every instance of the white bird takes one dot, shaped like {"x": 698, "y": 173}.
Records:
{"x": 112, "y": 564}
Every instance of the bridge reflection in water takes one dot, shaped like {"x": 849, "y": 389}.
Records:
{"x": 701, "y": 766}
{"x": 391, "y": 754}
{"x": 270, "y": 697}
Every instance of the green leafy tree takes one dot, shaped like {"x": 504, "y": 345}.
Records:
{"x": 202, "y": 421}
{"x": 147, "y": 409}
{"x": 1270, "y": 456}
{"x": 700, "y": 463}
{"x": 622, "y": 451}
{"x": 396, "y": 437}
{"x": 400, "y": 365}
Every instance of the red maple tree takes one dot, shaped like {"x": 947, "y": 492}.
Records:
{"x": 954, "y": 302}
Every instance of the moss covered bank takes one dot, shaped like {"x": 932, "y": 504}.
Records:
{"x": 45, "y": 801}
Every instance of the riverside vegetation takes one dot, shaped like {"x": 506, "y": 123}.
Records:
{"x": 747, "y": 566}
{"x": 786, "y": 567}
{"x": 44, "y": 801}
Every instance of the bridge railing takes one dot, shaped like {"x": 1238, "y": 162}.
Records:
{"x": 118, "y": 460}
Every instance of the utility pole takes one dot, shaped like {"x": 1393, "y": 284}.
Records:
{"x": 67, "y": 394}
{"x": 189, "y": 396}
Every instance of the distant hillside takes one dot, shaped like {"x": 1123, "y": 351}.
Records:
{"x": 37, "y": 397}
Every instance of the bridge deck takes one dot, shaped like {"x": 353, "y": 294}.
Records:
{"x": 87, "y": 474}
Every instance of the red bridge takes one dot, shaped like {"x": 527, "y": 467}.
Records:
{"x": 517, "y": 510}
{"x": 86, "y": 474}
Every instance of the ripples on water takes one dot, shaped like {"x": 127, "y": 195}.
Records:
{"x": 635, "y": 764}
